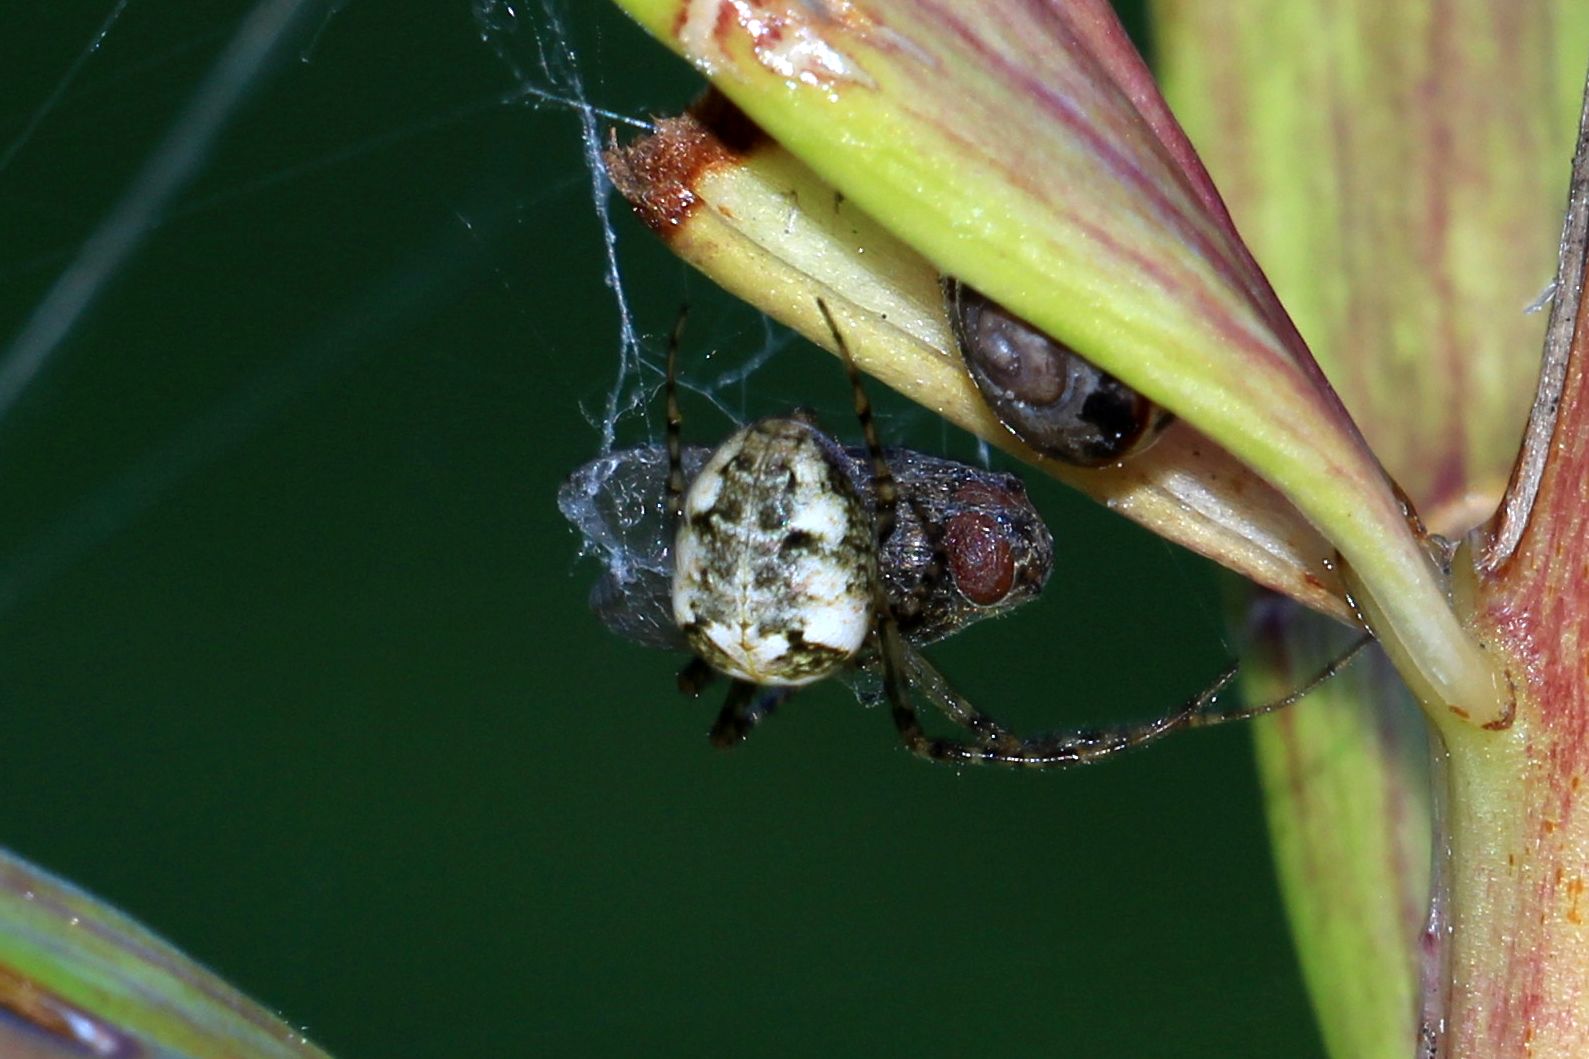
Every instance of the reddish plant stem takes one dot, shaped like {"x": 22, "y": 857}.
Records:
{"x": 1518, "y": 825}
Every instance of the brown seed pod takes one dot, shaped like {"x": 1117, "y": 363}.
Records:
{"x": 1046, "y": 393}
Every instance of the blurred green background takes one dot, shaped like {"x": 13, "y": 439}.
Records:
{"x": 295, "y": 662}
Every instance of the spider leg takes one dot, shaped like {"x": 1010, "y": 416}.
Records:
{"x": 885, "y": 494}
{"x": 1208, "y": 718}
{"x": 893, "y": 653}
{"x": 925, "y": 677}
{"x": 996, "y": 746}
{"x": 1049, "y": 751}
{"x": 747, "y": 706}
{"x": 675, "y": 425}
{"x": 695, "y": 677}
{"x": 907, "y": 610}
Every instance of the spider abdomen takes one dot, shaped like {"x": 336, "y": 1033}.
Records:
{"x": 774, "y": 572}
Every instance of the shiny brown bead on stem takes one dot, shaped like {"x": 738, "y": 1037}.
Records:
{"x": 1043, "y": 391}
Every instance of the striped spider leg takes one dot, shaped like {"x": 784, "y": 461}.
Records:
{"x": 1080, "y": 746}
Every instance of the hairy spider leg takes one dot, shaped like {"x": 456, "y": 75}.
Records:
{"x": 885, "y": 494}
{"x": 746, "y": 707}
{"x": 1053, "y": 750}
{"x": 925, "y": 677}
{"x": 1084, "y": 746}
{"x": 695, "y": 676}
{"x": 1209, "y": 718}
{"x": 675, "y": 428}
{"x": 892, "y": 651}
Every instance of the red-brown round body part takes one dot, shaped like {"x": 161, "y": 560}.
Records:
{"x": 979, "y": 558}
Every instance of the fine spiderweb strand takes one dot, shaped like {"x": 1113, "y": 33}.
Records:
{"x": 394, "y": 301}
{"x": 170, "y": 167}
{"x": 43, "y": 110}
{"x": 298, "y": 170}
{"x": 564, "y": 61}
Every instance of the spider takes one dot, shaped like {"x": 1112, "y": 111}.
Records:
{"x": 776, "y": 584}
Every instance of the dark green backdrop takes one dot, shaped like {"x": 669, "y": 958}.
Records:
{"x": 295, "y": 663}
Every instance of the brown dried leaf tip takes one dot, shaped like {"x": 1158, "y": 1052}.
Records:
{"x": 658, "y": 171}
